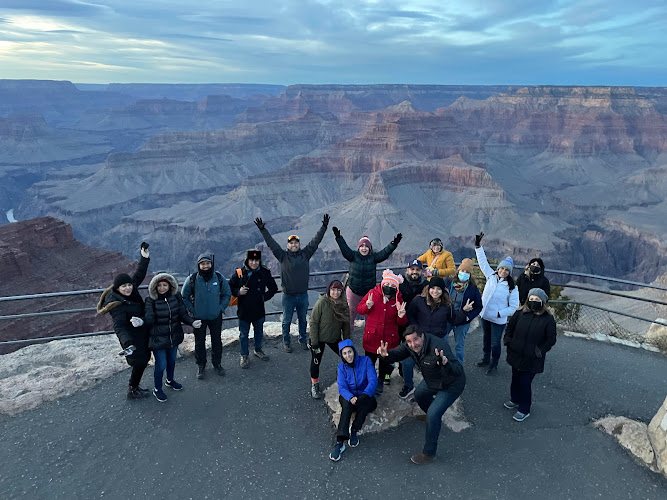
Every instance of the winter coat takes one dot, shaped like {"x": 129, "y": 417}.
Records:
{"x": 497, "y": 298}
{"x": 382, "y": 320}
{"x": 443, "y": 262}
{"x": 211, "y": 297}
{"x": 528, "y": 337}
{"x": 471, "y": 293}
{"x": 261, "y": 288}
{"x": 411, "y": 289}
{"x": 438, "y": 377}
{"x": 358, "y": 379}
{"x": 362, "y": 274}
{"x": 432, "y": 321}
{"x": 294, "y": 266}
{"x": 324, "y": 327}
{"x": 164, "y": 315}
{"x": 525, "y": 283}
{"x": 121, "y": 309}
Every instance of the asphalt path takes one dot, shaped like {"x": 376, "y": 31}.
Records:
{"x": 258, "y": 434}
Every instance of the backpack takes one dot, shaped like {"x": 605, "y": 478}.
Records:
{"x": 232, "y": 302}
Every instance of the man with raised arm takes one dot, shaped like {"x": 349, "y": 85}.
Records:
{"x": 294, "y": 277}
{"x": 444, "y": 381}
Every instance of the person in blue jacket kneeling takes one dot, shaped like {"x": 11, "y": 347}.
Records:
{"x": 357, "y": 381}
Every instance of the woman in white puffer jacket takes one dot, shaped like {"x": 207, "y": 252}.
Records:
{"x": 500, "y": 300}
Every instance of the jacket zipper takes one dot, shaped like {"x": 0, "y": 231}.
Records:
{"x": 169, "y": 307}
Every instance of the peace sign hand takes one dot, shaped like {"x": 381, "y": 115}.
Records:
{"x": 400, "y": 308}
{"x": 382, "y": 350}
{"x": 441, "y": 354}
{"x": 369, "y": 301}
{"x": 468, "y": 306}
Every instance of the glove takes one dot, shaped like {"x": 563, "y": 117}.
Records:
{"x": 316, "y": 348}
{"x": 259, "y": 223}
{"x": 336, "y": 231}
{"x": 196, "y": 323}
{"x": 128, "y": 351}
{"x": 136, "y": 322}
{"x": 397, "y": 239}
{"x": 144, "y": 250}
{"x": 478, "y": 239}
{"x": 325, "y": 220}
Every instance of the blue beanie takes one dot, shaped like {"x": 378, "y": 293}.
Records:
{"x": 507, "y": 263}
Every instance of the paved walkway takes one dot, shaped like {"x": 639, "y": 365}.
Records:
{"x": 258, "y": 434}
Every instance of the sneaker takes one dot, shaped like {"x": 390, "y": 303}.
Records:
{"x": 510, "y": 405}
{"x": 287, "y": 347}
{"x": 406, "y": 391}
{"x": 200, "y": 371}
{"x": 315, "y": 391}
{"x": 422, "y": 458}
{"x": 379, "y": 389}
{"x": 520, "y": 417}
{"x": 220, "y": 370}
{"x": 354, "y": 440}
{"x": 303, "y": 345}
{"x": 492, "y": 371}
{"x": 160, "y": 395}
{"x": 145, "y": 392}
{"x": 260, "y": 354}
{"x": 483, "y": 362}
{"x": 174, "y": 385}
{"x": 134, "y": 393}
{"x": 337, "y": 450}
{"x": 244, "y": 362}
{"x": 387, "y": 379}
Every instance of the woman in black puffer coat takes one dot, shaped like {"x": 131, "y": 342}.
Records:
{"x": 126, "y": 308}
{"x": 165, "y": 311}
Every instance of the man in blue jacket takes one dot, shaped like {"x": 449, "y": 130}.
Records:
{"x": 207, "y": 295}
{"x": 357, "y": 381}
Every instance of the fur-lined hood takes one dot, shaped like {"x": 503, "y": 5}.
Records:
{"x": 152, "y": 286}
{"x": 103, "y": 308}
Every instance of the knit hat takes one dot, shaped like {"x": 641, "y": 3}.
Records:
{"x": 389, "y": 278}
{"x": 164, "y": 280}
{"x": 121, "y": 279}
{"x": 416, "y": 263}
{"x": 507, "y": 263}
{"x": 467, "y": 265}
{"x": 437, "y": 281}
{"x": 365, "y": 241}
{"x": 335, "y": 284}
{"x": 538, "y": 292}
{"x": 436, "y": 241}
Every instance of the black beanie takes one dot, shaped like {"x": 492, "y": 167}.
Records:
{"x": 121, "y": 279}
{"x": 437, "y": 281}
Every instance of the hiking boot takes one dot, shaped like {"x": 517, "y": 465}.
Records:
{"x": 493, "y": 370}
{"x": 510, "y": 405}
{"x": 219, "y": 369}
{"x": 173, "y": 384}
{"x": 287, "y": 347}
{"x": 134, "y": 393}
{"x": 244, "y": 362}
{"x": 200, "y": 371}
{"x": 337, "y": 450}
{"x": 315, "y": 391}
{"x": 304, "y": 345}
{"x": 160, "y": 395}
{"x": 387, "y": 379}
{"x": 406, "y": 391}
{"x": 354, "y": 440}
{"x": 520, "y": 417}
{"x": 260, "y": 354}
{"x": 145, "y": 392}
{"x": 483, "y": 362}
{"x": 379, "y": 389}
{"x": 422, "y": 458}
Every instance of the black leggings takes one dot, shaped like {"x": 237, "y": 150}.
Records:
{"x": 137, "y": 373}
{"x": 384, "y": 368}
{"x": 315, "y": 359}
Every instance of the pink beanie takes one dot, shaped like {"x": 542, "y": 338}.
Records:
{"x": 389, "y": 278}
{"x": 365, "y": 241}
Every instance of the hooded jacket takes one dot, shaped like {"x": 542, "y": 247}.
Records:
{"x": 362, "y": 274}
{"x": 528, "y": 337}
{"x": 324, "y": 327}
{"x": 443, "y": 262}
{"x": 261, "y": 288}
{"x": 164, "y": 315}
{"x": 211, "y": 297}
{"x": 382, "y": 320}
{"x": 358, "y": 378}
{"x": 525, "y": 283}
{"x": 497, "y": 298}
{"x": 471, "y": 293}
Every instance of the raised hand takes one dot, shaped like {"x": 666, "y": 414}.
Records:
{"x": 325, "y": 220}
{"x": 259, "y": 223}
{"x": 144, "y": 250}
{"x": 400, "y": 309}
{"x": 478, "y": 239}
{"x": 468, "y": 306}
{"x": 369, "y": 301}
{"x": 336, "y": 231}
{"x": 441, "y": 355}
{"x": 397, "y": 239}
{"x": 382, "y": 350}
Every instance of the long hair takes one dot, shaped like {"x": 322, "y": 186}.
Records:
{"x": 444, "y": 299}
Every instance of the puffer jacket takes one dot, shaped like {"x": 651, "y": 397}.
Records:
{"x": 471, "y": 293}
{"x": 432, "y": 321}
{"x": 443, "y": 262}
{"x": 382, "y": 320}
{"x": 164, "y": 315}
{"x": 324, "y": 327}
{"x": 261, "y": 287}
{"x": 497, "y": 298}
{"x": 525, "y": 283}
{"x": 362, "y": 275}
{"x": 358, "y": 379}
{"x": 528, "y": 337}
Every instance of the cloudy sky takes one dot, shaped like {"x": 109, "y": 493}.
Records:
{"x": 575, "y": 42}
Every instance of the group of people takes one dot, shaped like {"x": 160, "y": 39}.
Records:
{"x": 408, "y": 320}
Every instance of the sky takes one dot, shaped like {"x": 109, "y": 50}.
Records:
{"x": 445, "y": 42}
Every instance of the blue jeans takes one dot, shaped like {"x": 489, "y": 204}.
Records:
{"x": 408, "y": 371}
{"x": 493, "y": 336}
{"x": 244, "y": 330}
{"x": 434, "y": 404}
{"x": 460, "y": 333}
{"x": 164, "y": 358}
{"x": 290, "y": 303}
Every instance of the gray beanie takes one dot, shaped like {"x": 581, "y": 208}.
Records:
{"x": 538, "y": 292}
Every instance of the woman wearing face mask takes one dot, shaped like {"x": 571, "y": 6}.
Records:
{"x": 532, "y": 277}
{"x": 165, "y": 311}
{"x": 437, "y": 260}
{"x": 500, "y": 300}
{"x": 385, "y": 311}
{"x": 363, "y": 266}
{"x": 530, "y": 334}
{"x": 465, "y": 297}
{"x": 329, "y": 324}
